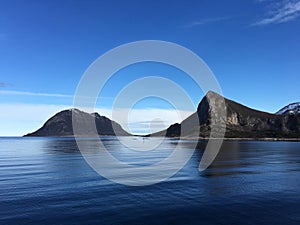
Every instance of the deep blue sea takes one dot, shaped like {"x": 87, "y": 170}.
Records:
{"x": 47, "y": 181}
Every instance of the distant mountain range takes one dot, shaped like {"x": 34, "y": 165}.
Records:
{"x": 240, "y": 121}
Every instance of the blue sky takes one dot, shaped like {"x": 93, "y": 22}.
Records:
{"x": 252, "y": 46}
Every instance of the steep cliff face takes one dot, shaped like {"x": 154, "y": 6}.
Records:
{"x": 240, "y": 121}
{"x": 246, "y": 122}
{"x": 61, "y": 124}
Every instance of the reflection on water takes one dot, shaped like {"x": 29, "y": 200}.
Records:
{"x": 47, "y": 181}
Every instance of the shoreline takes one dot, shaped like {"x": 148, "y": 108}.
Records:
{"x": 182, "y": 138}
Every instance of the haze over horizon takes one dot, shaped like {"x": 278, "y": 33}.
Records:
{"x": 252, "y": 47}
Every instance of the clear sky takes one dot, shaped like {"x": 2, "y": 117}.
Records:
{"x": 252, "y": 46}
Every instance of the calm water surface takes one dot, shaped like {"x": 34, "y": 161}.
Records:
{"x": 47, "y": 181}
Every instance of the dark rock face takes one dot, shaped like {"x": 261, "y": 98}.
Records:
{"x": 240, "y": 121}
{"x": 61, "y": 125}
{"x": 174, "y": 130}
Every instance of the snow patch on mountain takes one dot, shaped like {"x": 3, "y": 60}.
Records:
{"x": 293, "y": 108}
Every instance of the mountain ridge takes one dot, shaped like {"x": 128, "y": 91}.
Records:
{"x": 241, "y": 122}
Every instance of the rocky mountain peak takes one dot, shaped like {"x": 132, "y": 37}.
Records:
{"x": 61, "y": 124}
{"x": 293, "y": 108}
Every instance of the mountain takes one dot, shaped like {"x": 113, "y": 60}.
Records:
{"x": 61, "y": 125}
{"x": 293, "y": 108}
{"x": 240, "y": 121}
